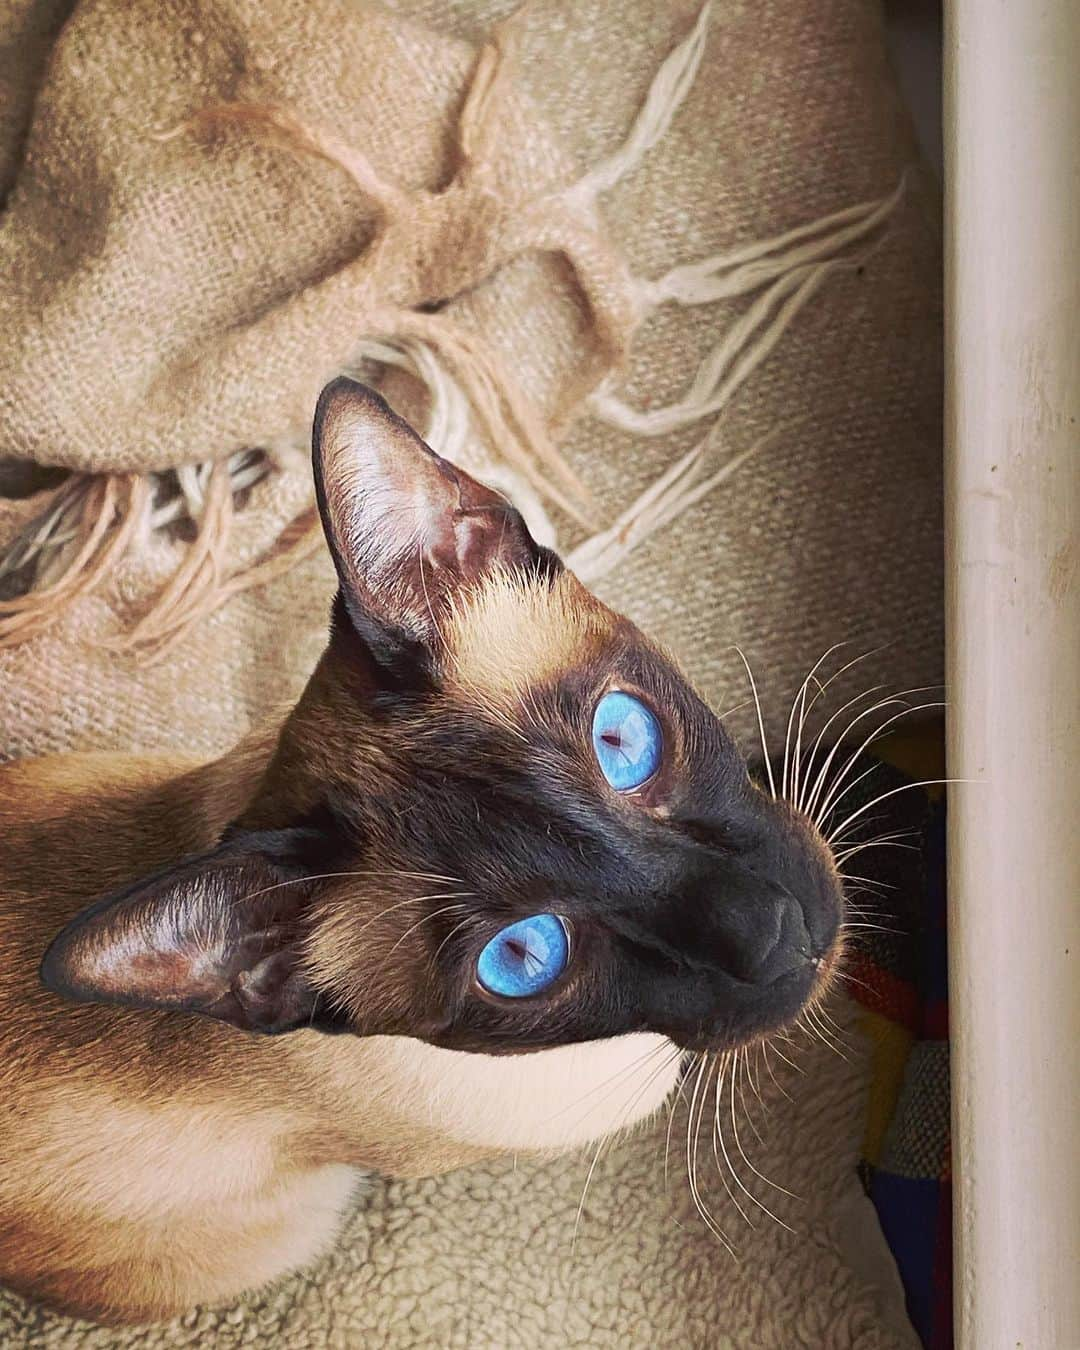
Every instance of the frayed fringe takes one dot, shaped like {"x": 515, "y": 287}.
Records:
{"x": 512, "y": 425}
{"x": 673, "y": 493}
{"x": 96, "y": 520}
{"x": 96, "y": 505}
{"x": 92, "y": 521}
{"x": 198, "y": 588}
{"x": 793, "y": 267}
{"x": 667, "y": 93}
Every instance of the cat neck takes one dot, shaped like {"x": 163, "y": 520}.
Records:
{"x": 280, "y": 773}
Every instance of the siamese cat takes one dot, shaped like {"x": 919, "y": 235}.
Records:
{"x": 499, "y": 854}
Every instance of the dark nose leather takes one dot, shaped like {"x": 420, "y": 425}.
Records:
{"x": 734, "y": 921}
{"x": 759, "y": 936}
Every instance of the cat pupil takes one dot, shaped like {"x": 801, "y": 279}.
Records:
{"x": 525, "y": 957}
{"x": 626, "y": 739}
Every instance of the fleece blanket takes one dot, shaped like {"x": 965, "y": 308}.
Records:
{"x": 509, "y": 1255}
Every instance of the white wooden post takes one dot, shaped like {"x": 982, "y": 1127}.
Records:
{"x": 1012, "y": 171}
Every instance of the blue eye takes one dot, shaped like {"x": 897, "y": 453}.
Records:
{"x": 524, "y": 957}
{"x": 627, "y": 740}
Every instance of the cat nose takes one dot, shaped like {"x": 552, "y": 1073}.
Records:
{"x": 759, "y": 938}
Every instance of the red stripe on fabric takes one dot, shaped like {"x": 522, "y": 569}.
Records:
{"x": 884, "y": 993}
{"x": 935, "y": 1021}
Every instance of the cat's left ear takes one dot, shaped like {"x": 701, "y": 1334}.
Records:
{"x": 406, "y": 528}
{"x": 219, "y": 934}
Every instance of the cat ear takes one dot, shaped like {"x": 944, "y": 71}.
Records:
{"x": 218, "y": 935}
{"x": 406, "y": 527}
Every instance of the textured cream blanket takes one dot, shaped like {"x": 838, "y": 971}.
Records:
{"x": 485, "y": 1259}
{"x": 739, "y": 252}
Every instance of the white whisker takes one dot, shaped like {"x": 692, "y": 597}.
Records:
{"x": 807, "y": 768}
{"x": 624, "y": 1072}
{"x": 819, "y": 738}
{"x": 755, "y": 1087}
{"x": 692, "y": 1139}
{"x": 760, "y": 1175}
{"x": 872, "y": 882}
{"x": 811, "y": 806}
{"x": 769, "y": 1069}
{"x": 742, "y": 1063}
{"x": 800, "y": 698}
{"x": 456, "y": 929}
{"x": 796, "y": 1067}
{"x": 800, "y": 693}
{"x": 355, "y": 873}
{"x": 680, "y": 1096}
{"x": 832, "y": 1022}
{"x": 846, "y": 977}
{"x": 845, "y": 853}
{"x": 827, "y": 1038}
{"x": 833, "y": 795}
{"x": 446, "y": 909}
{"x": 904, "y": 787}
{"x": 718, "y": 1137}
{"x": 607, "y": 1141}
{"x": 760, "y": 721}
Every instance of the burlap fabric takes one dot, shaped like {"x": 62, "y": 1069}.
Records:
{"x": 831, "y": 532}
{"x": 843, "y": 504}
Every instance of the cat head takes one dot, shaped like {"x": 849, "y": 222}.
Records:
{"x": 499, "y": 818}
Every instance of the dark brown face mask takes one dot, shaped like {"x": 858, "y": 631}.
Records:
{"x": 499, "y": 819}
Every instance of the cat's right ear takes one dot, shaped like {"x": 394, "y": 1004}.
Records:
{"x": 222, "y": 935}
{"x": 406, "y": 528}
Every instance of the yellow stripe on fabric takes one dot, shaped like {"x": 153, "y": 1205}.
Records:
{"x": 918, "y": 752}
{"x": 891, "y": 1045}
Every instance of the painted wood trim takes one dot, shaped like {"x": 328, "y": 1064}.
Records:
{"x": 1012, "y": 177}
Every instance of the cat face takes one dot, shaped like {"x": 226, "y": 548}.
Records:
{"x": 498, "y": 820}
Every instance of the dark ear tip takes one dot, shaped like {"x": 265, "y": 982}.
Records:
{"x": 343, "y": 394}
{"x": 53, "y": 971}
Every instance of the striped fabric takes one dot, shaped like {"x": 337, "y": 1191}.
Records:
{"x": 900, "y": 980}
